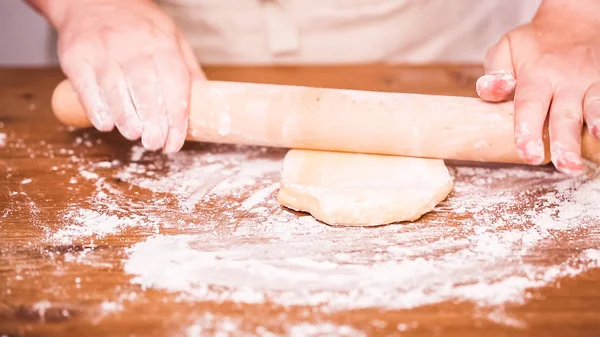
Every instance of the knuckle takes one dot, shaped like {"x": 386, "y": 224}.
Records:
{"x": 72, "y": 52}
{"x": 592, "y": 98}
{"x": 531, "y": 91}
{"x": 571, "y": 114}
{"x": 143, "y": 80}
{"x": 177, "y": 79}
{"x": 160, "y": 30}
{"x": 89, "y": 89}
{"x": 528, "y": 107}
{"x": 592, "y": 103}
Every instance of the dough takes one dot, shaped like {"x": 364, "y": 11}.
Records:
{"x": 362, "y": 189}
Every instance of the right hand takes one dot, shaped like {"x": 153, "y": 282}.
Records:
{"x": 130, "y": 67}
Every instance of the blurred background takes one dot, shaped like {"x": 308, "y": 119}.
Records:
{"x": 25, "y": 37}
{"x": 27, "y": 40}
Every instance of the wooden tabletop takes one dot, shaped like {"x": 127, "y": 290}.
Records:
{"x": 99, "y": 238}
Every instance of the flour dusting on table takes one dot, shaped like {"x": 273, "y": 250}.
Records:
{"x": 209, "y": 324}
{"x": 214, "y": 222}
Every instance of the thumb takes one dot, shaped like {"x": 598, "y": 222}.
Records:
{"x": 498, "y": 83}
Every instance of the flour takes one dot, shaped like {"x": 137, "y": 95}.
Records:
{"x": 88, "y": 175}
{"x": 397, "y": 266}
{"x": 505, "y": 220}
{"x": 259, "y": 196}
{"x": 41, "y": 308}
{"x": 283, "y": 274}
{"x": 111, "y": 307}
{"x": 2, "y": 139}
{"x": 89, "y": 223}
{"x": 85, "y": 257}
{"x": 209, "y": 324}
{"x": 326, "y": 329}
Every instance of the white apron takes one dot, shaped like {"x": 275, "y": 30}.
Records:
{"x": 261, "y": 32}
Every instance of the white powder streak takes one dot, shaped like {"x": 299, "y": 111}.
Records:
{"x": 325, "y": 329}
{"x": 259, "y": 197}
{"x": 255, "y": 272}
{"x": 209, "y": 324}
{"x": 88, "y": 223}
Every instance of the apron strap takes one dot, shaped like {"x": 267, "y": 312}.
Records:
{"x": 282, "y": 32}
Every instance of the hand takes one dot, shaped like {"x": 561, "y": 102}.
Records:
{"x": 130, "y": 67}
{"x": 555, "y": 60}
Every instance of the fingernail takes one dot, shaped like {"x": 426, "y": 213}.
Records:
{"x": 496, "y": 86}
{"x": 570, "y": 163}
{"x": 152, "y": 138}
{"x": 175, "y": 141}
{"x": 102, "y": 120}
{"x": 131, "y": 128}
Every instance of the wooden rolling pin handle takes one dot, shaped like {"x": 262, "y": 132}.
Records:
{"x": 67, "y": 108}
{"x": 445, "y": 127}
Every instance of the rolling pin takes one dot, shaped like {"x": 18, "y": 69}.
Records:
{"x": 417, "y": 125}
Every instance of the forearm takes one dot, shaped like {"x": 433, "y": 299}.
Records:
{"x": 53, "y": 10}
{"x": 591, "y": 7}
{"x": 56, "y": 11}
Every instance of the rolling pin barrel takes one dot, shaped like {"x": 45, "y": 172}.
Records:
{"x": 445, "y": 127}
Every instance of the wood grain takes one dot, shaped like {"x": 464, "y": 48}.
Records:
{"x": 52, "y": 288}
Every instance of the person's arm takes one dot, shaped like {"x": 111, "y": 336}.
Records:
{"x": 556, "y": 62}
{"x": 52, "y": 10}
{"x": 129, "y": 64}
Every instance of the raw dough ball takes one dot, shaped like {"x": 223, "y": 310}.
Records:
{"x": 362, "y": 189}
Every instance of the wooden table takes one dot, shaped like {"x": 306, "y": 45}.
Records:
{"x": 99, "y": 238}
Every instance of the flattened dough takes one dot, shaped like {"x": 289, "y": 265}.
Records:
{"x": 362, "y": 189}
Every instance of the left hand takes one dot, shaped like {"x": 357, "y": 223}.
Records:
{"x": 555, "y": 60}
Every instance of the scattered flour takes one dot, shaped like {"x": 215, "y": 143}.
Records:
{"x": 2, "y": 139}
{"x": 111, "y": 307}
{"x": 88, "y": 223}
{"x": 88, "y": 174}
{"x": 285, "y": 274}
{"x": 209, "y": 324}
{"x": 483, "y": 245}
{"x": 325, "y": 329}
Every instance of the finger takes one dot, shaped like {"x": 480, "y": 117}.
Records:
{"x": 591, "y": 109}
{"x": 119, "y": 101}
{"x": 175, "y": 84}
{"x": 565, "y": 123}
{"x": 83, "y": 78}
{"x": 144, "y": 89}
{"x": 499, "y": 57}
{"x": 532, "y": 101}
{"x": 498, "y": 83}
{"x": 189, "y": 57}
{"x": 496, "y": 87}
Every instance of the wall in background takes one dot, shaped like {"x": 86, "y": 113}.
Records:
{"x": 26, "y": 39}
